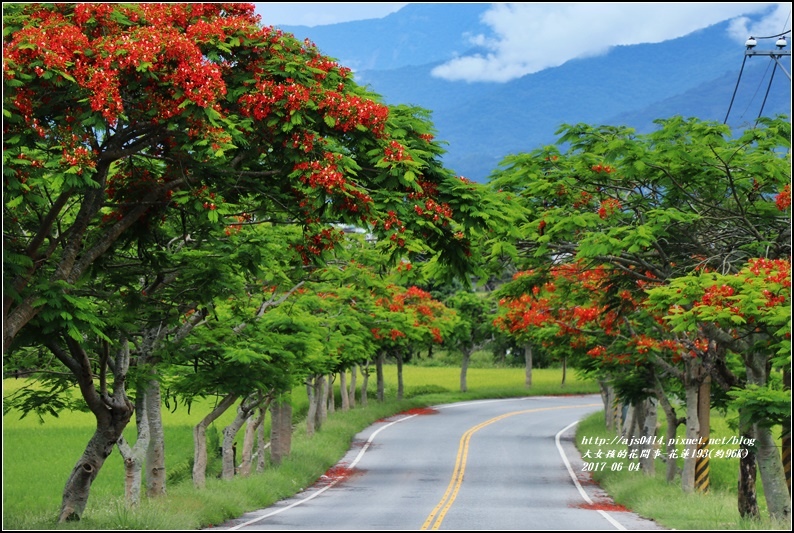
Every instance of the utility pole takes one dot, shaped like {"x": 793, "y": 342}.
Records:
{"x": 776, "y": 55}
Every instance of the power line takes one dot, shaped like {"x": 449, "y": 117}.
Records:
{"x": 755, "y": 93}
{"x": 772, "y": 77}
{"x": 774, "y": 36}
{"x": 734, "y": 90}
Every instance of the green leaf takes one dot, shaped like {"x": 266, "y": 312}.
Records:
{"x": 14, "y": 201}
{"x": 66, "y": 76}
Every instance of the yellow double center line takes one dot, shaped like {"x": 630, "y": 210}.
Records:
{"x": 437, "y": 515}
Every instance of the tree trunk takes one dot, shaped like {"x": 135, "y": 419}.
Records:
{"x": 464, "y": 369}
{"x": 152, "y": 338}
{"x": 351, "y": 393}
{"x": 634, "y": 430}
{"x": 607, "y": 398}
{"x": 311, "y": 415}
{"x": 648, "y": 447}
{"x": 229, "y": 447}
{"x": 748, "y": 496}
{"x": 286, "y": 429}
{"x": 133, "y": 471}
{"x": 379, "y": 374}
{"x": 155, "y": 451}
{"x": 112, "y": 413}
{"x": 260, "y": 440}
{"x": 630, "y": 421}
{"x": 702, "y": 469}
{"x": 331, "y": 395}
{"x": 275, "y": 432}
{"x": 321, "y": 395}
{"x": 692, "y": 434}
{"x": 564, "y": 368}
{"x": 78, "y": 486}
{"x": 673, "y": 422}
{"x": 200, "y": 441}
{"x": 770, "y": 464}
{"x": 343, "y": 395}
{"x": 134, "y": 456}
{"x": 280, "y": 430}
{"x": 400, "y": 385}
{"x": 773, "y": 478}
{"x": 528, "y": 365}
{"x": 251, "y": 429}
{"x": 364, "y": 384}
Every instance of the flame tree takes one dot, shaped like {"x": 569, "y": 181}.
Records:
{"x": 124, "y": 119}
{"x": 688, "y": 197}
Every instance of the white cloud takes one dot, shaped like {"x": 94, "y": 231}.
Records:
{"x": 529, "y": 37}
{"x": 770, "y": 25}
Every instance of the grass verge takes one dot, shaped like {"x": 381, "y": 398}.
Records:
{"x": 652, "y": 497}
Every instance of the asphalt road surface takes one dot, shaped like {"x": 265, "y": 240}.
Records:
{"x": 481, "y": 465}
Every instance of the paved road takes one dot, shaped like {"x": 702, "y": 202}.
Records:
{"x": 480, "y": 465}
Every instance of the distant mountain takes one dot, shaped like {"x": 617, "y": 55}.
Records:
{"x": 417, "y": 34}
{"x": 692, "y": 76}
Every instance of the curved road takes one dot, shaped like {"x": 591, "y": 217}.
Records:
{"x": 481, "y": 465}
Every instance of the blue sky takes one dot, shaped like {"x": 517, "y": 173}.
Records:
{"x": 527, "y": 37}
{"x": 318, "y": 13}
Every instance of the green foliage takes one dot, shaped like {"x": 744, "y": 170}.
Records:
{"x": 48, "y": 396}
{"x": 766, "y": 405}
{"x": 474, "y": 326}
{"x": 679, "y": 242}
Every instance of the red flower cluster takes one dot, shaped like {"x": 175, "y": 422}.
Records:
{"x": 396, "y": 334}
{"x": 774, "y": 270}
{"x": 434, "y": 211}
{"x": 783, "y": 199}
{"x": 326, "y": 239}
{"x": 602, "y": 168}
{"x": 349, "y": 111}
{"x": 584, "y": 199}
{"x": 718, "y": 298}
{"x": 325, "y": 174}
{"x": 107, "y": 58}
{"x": 269, "y": 95}
{"x": 584, "y": 315}
{"x": 395, "y": 152}
{"x": 608, "y": 206}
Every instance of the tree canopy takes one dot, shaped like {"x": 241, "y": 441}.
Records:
{"x": 118, "y": 116}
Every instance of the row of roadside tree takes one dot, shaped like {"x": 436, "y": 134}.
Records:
{"x": 197, "y": 202}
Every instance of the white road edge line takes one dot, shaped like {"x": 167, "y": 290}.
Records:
{"x": 584, "y": 495}
{"x": 317, "y": 493}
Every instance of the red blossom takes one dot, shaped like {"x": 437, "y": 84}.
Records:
{"x": 783, "y": 199}
{"x": 608, "y": 207}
